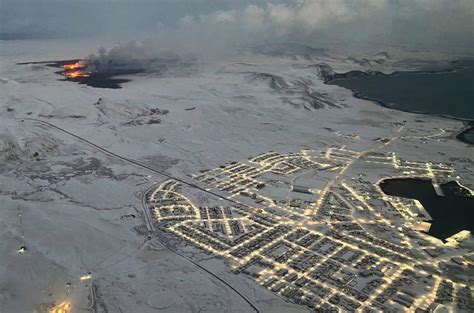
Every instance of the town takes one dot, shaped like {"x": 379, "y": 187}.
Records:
{"x": 319, "y": 231}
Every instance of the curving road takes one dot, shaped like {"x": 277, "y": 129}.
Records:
{"x": 149, "y": 223}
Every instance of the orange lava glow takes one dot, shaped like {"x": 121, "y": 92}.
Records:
{"x": 75, "y": 70}
{"x": 63, "y": 307}
{"x": 76, "y": 74}
{"x": 73, "y": 66}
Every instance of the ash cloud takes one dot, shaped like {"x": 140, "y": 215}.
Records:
{"x": 136, "y": 57}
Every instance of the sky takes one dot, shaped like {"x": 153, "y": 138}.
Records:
{"x": 220, "y": 25}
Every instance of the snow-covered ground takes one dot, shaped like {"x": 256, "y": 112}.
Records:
{"x": 78, "y": 209}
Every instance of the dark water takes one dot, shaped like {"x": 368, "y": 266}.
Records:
{"x": 449, "y": 93}
{"x": 452, "y": 213}
{"x": 467, "y": 135}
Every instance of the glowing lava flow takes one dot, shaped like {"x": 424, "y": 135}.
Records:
{"x": 73, "y": 66}
{"x": 75, "y": 70}
{"x": 63, "y": 307}
{"x": 76, "y": 74}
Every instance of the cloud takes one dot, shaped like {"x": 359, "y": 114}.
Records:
{"x": 253, "y": 17}
{"x": 219, "y": 26}
{"x": 439, "y": 24}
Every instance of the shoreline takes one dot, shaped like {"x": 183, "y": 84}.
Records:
{"x": 462, "y": 134}
{"x": 469, "y": 123}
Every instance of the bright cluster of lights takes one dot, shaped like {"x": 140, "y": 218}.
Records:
{"x": 239, "y": 182}
{"x": 63, "y": 307}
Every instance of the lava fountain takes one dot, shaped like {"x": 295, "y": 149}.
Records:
{"x": 75, "y": 70}
{"x": 74, "y": 66}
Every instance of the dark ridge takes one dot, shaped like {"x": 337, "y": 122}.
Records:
{"x": 299, "y": 93}
{"x": 51, "y": 63}
{"x": 350, "y": 74}
{"x": 383, "y": 54}
{"x": 329, "y": 75}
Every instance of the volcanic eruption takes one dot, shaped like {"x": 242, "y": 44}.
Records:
{"x": 75, "y": 70}
{"x": 101, "y": 69}
{"x": 93, "y": 73}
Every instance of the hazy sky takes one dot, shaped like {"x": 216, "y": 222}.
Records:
{"x": 219, "y": 24}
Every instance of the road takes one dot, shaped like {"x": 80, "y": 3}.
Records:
{"x": 333, "y": 181}
{"x": 149, "y": 223}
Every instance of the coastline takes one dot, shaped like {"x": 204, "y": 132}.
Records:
{"x": 469, "y": 123}
{"x": 461, "y": 136}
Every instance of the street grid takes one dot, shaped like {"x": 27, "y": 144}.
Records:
{"x": 340, "y": 244}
